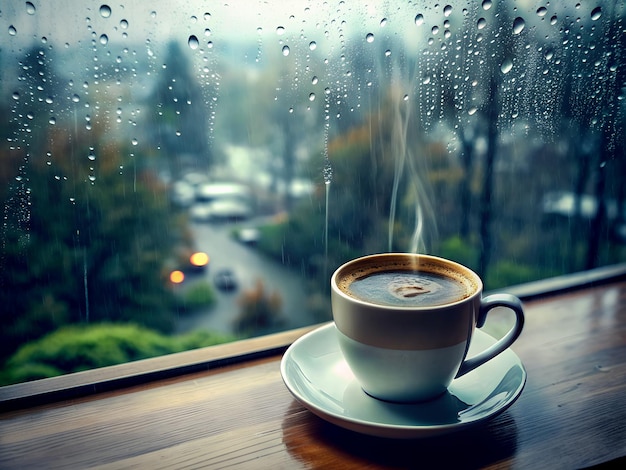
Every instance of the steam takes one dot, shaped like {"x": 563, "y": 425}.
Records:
{"x": 409, "y": 163}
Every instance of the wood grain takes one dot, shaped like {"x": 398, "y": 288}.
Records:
{"x": 572, "y": 413}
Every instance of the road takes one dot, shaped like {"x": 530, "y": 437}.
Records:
{"x": 249, "y": 267}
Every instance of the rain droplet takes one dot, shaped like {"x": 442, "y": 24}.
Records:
{"x": 506, "y": 66}
{"x": 369, "y": 37}
{"x": 134, "y": 141}
{"x": 75, "y": 98}
{"x": 16, "y": 95}
{"x": 482, "y": 22}
{"x": 124, "y": 24}
{"x": 419, "y": 19}
{"x": 312, "y": 45}
{"x": 405, "y": 97}
{"x": 280, "y": 30}
{"x": 447, "y": 10}
{"x": 518, "y": 25}
{"x": 193, "y": 42}
{"x": 52, "y": 120}
{"x": 12, "y": 30}
{"x": 312, "y": 97}
{"x": 286, "y": 51}
{"x": 30, "y": 8}
{"x": 387, "y": 53}
{"x": 487, "y": 4}
{"x": 472, "y": 110}
{"x": 314, "y": 80}
{"x": 542, "y": 11}
{"x": 383, "y": 22}
{"x": 553, "y": 20}
{"x": 596, "y": 13}
{"x": 105, "y": 11}
{"x": 104, "y": 39}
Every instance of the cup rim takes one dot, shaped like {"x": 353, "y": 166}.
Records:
{"x": 475, "y": 278}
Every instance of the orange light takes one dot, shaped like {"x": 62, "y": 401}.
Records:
{"x": 199, "y": 259}
{"x": 177, "y": 277}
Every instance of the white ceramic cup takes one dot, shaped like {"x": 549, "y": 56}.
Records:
{"x": 406, "y": 353}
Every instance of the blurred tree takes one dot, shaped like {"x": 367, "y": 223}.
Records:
{"x": 93, "y": 244}
{"x": 179, "y": 124}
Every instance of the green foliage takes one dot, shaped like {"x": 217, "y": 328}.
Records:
{"x": 83, "y": 250}
{"x": 81, "y": 347}
{"x": 260, "y": 312}
{"x": 456, "y": 249}
{"x": 199, "y": 295}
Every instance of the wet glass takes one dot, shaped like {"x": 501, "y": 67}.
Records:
{"x": 174, "y": 175}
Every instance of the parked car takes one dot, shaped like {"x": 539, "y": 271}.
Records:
{"x": 225, "y": 280}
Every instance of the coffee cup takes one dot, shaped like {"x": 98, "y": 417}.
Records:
{"x": 405, "y": 322}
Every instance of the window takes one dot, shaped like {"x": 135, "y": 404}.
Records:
{"x": 177, "y": 174}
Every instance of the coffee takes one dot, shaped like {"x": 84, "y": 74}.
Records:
{"x": 405, "y": 288}
{"x": 399, "y": 282}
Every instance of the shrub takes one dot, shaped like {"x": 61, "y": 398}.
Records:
{"x": 82, "y": 347}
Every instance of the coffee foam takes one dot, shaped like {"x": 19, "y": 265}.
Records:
{"x": 366, "y": 267}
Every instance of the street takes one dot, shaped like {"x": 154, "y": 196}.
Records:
{"x": 248, "y": 266}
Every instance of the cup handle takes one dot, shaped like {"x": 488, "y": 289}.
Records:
{"x": 486, "y": 304}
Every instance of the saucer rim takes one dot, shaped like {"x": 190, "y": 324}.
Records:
{"x": 398, "y": 431}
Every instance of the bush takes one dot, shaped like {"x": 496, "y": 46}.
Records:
{"x": 197, "y": 296}
{"x": 82, "y": 347}
{"x": 260, "y": 312}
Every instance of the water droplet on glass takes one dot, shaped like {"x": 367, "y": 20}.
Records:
{"x": 12, "y": 30}
{"x": 327, "y": 172}
{"x": 105, "y": 11}
{"x": 75, "y": 98}
{"x": 153, "y": 14}
{"x": 52, "y": 120}
{"x": 30, "y": 8}
{"x": 134, "y": 141}
{"x": 518, "y": 25}
{"x": 312, "y": 97}
{"x": 447, "y": 10}
{"x": 124, "y": 24}
{"x": 193, "y": 42}
{"x": 419, "y": 19}
{"x": 405, "y": 97}
{"x": 312, "y": 45}
{"x": 487, "y": 4}
{"x": 482, "y": 22}
{"x": 506, "y": 66}
{"x": 369, "y": 37}
{"x": 472, "y": 111}
{"x": 286, "y": 51}
{"x": 314, "y": 80}
{"x": 104, "y": 39}
{"x": 16, "y": 95}
{"x": 383, "y": 22}
{"x": 553, "y": 20}
{"x": 92, "y": 178}
{"x": 596, "y": 13}
{"x": 280, "y": 30}
{"x": 387, "y": 53}
{"x": 542, "y": 11}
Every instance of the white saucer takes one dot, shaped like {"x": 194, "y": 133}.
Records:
{"x": 316, "y": 373}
